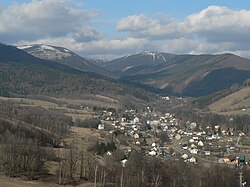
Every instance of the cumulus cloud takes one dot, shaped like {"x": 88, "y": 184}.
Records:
{"x": 88, "y": 34}
{"x": 212, "y": 30}
{"x": 134, "y": 23}
{"x": 143, "y": 26}
{"x": 218, "y": 24}
{"x": 214, "y": 24}
{"x": 215, "y": 29}
{"x": 98, "y": 48}
{"x": 40, "y": 19}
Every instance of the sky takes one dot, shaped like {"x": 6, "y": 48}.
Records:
{"x": 107, "y": 29}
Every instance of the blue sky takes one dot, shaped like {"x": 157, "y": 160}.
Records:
{"x": 176, "y": 8}
{"x": 112, "y": 28}
{"x": 115, "y": 9}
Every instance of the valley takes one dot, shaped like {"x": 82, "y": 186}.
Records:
{"x": 150, "y": 131}
{"x": 72, "y": 124}
{"x": 124, "y": 93}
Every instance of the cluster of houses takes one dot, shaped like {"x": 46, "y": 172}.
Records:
{"x": 193, "y": 142}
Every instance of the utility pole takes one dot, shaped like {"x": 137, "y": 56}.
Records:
{"x": 95, "y": 175}
{"x": 242, "y": 184}
{"x": 121, "y": 181}
{"x": 241, "y": 176}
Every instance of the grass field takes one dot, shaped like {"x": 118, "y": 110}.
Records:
{"x": 16, "y": 182}
{"x": 95, "y": 100}
{"x": 81, "y": 113}
{"x": 236, "y": 103}
{"x": 32, "y": 102}
{"x": 83, "y": 138}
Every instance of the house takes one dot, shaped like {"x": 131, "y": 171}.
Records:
{"x": 137, "y": 143}
{"x": 123, "y": 119}
{"x": 191, "y": 141}
{"x": 136, "y": 136}
{"x": 194, "y": 151}
{"x": 199, "y": 133}
{"x": 135, "y": 120}
{"x": 193, "y": 146}
{"x": 241, "y": 134}
{"x": 185, "y": 156}
{"x": 213, "y": 137}
{"x": 195, "y": 138}
{"x": 109, "y": 153}
{"x": 193, "y": 160}
{"x": 100, "y": 127}
{"x": 200, "y": 143}
{"x": 165, "y": 98}
{"x": 123, "y": 162}
{"x": 207, "y": 153}
{"x": 177, "y": 137}
{"x": 185, "y": 147}
{"x": 230, "y": 159}
{"x": 152, "y": 153}
{"x": 193, "y": 125}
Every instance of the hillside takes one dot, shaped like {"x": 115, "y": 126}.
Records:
{"x": 22, "y": 74}
{"x": 66, "y": 57}
{"x": 191, "y": 75}
{"x": 235, "y": 103}
{"x": 144, "y": 62}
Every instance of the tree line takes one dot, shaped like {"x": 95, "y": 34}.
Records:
{"x": 50, "y": 120}
{"x": 188, "y": 112}
{"x": 141, "y": 171}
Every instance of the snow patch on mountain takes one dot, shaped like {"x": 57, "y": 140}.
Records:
{"x": 46, "y": 47}
{"x": 149, "y": 53}
{"x": 127, "y": 68}
{"x": 157, "y": 55}
{"x": 24, "y": 47}
{"x": 163, "y": 58}
{"x": 46, "y": 52}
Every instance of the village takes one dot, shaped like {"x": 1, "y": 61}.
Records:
{"x": 166, "y": 137}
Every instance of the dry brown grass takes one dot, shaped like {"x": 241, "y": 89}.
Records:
{"x": 233, "y": 103}
{"x": 83, "y": 137}
{"x": 74, "y": 113}
{"x": 32, "y": 102}
{"x": 98, "y": 100}
{"x": 16, "y": 182}
{"x": 95, "y": 100}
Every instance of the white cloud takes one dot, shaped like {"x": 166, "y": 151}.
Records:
{"x": 61, "y": 22}
{"x": 134, "y": 23}
{"x": 97, "y": 48}
{"x": 88, "y": 34}
{"x": 41, "y": 19}
{"x": 212, "y": 30}
{"x": 143, "y": 26}
{"x": 214, "y": 24}
{"x": 220, "y": 24}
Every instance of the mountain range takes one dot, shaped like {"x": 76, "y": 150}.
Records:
{"x": 22, "y": 74}
{"x": 66, "y": 57}
{"x": 190, "y": 75}
{"x": 164, "y": 73}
